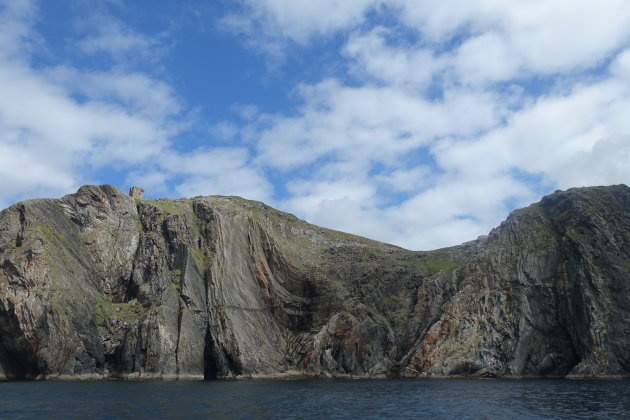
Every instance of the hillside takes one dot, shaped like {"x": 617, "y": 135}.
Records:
{"x": 98, "y": 285}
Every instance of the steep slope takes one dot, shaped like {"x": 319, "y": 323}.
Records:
{"x": 547, "y": 294}
{"x": 97, "y": 284}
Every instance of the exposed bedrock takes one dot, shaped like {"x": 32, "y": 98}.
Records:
{"x": 97, "y": 284}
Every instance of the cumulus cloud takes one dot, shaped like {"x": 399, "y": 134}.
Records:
{"x": 441, "y": 133}
{"x": 405, "y": 179}
{"x": 456, "y": 209}
{"x": 374, "y": 58}
{"x": 534, "y": 36}
{"x": 370, "y": 123}
{"x": 297, "y": 20}
{"x": 59, "y": 136}
{"x": 223, "y": 171}
{"x": 440, "y": 118}
{"x": 137, "y": 92}
{"x": 108, "y": 35}
{"x": 60, "y": 125}
{"x": 543, "y": 36}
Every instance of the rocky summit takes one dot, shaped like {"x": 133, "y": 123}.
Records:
{"x": 100, "y": 285}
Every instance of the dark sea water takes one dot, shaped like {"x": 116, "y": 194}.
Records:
{"x": 327, "y": 399}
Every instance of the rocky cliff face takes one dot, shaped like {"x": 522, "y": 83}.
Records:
{"x": 96, "y": 284}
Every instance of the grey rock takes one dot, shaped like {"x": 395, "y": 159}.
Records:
{"x": 97, "y": 284}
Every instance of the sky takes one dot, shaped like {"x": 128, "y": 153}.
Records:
{"x": 417, "y": 123}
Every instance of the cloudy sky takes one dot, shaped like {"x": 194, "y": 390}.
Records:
{"x": 420, "y": 123}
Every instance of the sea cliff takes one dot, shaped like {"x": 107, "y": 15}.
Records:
{"x": 99, "y": 285}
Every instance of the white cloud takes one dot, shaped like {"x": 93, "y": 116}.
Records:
{"x": 453, "y": 210}
{"x": 297, "y": 20}
{"x": 137, "y": 92}
{"x": 110, "y": 36}
{"x": 222, "y": 171}
{"x": 427, "y": 141}
{"x": 413, "y": 67}
{"x": 439, "y": 21}
{"x": 608, "y": 162}
{"x": 20, "y": 167}
{"x": 621, "y": 65}
{"x": 544, "y": 36}
{"x": 344, "y": 204}
{"x": 46, "y": 110}
{"x": 548, "y": 136}
{"x": 406, "y": 180}
{"x": 153, "y": 180}
{"x": 499, "y": 39}
{"x": 369, "y": 123}
{"x": 224, "y": 130}
{"x": 473, "y": 58}
{"x": 59, "y": 125}
{"x": 353, "y": 149}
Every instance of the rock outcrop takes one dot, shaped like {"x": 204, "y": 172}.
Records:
{"x": 97, "y": 284}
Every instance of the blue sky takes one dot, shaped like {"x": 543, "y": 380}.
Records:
{"x": 416, "y": 123}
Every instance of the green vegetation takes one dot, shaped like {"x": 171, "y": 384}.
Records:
{"x": 199, "y": 257}
{"x": 125, "y": 312}
{"x": 60, "y": 298}
{"x": 573, "y": 234}
{"x": 61, "y": 245}
{"x": 58, "y": 305}
{"x": 391, "y": 299}
{"x": 170, "y": 206}
{"x": 138, "y": 223}
{"x": 176, "y": 284}
{"x": 12, "y": 250}
{"x": 52, "y": 236}
{"x": 543, "y": 238}
{"x": 442, "y": 262}
{"x": 400, "y": 319}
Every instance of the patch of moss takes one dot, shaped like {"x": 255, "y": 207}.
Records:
{"x": 12, "y": 250}
{"x": 541, "y": 240}
{"x": 176, "y": 284}
{"x": 52, "y": 236}
{"x": 197, "y": 223}
{"x": 138, "y": 223}
{"x": 62, "y": 297}
{"x": 62, "y": 247}
{"x": 400, "y": 319}
{"x": 391, "y": 299}
{"x": 170, "y": 206}
{"x": 442, "y": 262}
{"x": 128, "y": 312}
{"x": 58, "y": 305}
{"x": 573, "y": 235}
{"x": 199, "y": 257}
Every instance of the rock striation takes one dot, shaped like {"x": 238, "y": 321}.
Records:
{"x": 99, "y": 285}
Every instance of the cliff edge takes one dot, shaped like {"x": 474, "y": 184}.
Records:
{"x": 98, "y": 285}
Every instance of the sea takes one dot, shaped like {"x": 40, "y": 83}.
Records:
{"x": 318, "y": 399}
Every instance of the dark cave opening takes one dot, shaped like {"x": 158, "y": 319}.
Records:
{"x": 210, "y": 367}
{"x": 18, "y": 360}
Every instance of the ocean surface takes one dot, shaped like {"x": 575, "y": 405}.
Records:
{"x": 326, "y": 399}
